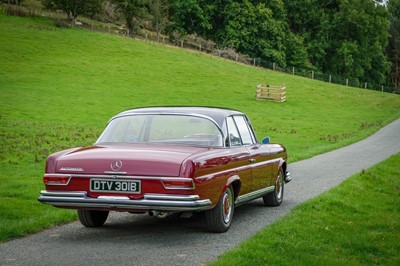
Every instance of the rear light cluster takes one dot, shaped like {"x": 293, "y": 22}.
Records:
{"x": 178, "y": 183}
{"x": 56, "y": 179}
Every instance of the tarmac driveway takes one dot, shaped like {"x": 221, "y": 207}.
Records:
{"x": 128, "y": 239}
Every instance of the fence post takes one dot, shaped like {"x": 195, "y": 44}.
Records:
{"x": 365, "y": 85}
{"x": 330, "y": 78}
{"x": 312, "y": 74}
{"x": 254, "y": 61}
{"x": 273, "y": 66}
{"x": 382, "y": 88}
{"x": 293, "y": 70}
{"x": 182, "y": 44}
{"x": 347, "y": 82}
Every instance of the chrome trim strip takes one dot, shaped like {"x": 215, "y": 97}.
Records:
{"x": 171, "y": 197}
{"x": 159, "y": 178}
{"x": 188, "y": 180}
{"x": 162, "y": 202}
{"x": 115, "y": 173}
{"x": 253, "y": 195}
{"x": 63, "y": 193}
{"x": 237, "y": 169}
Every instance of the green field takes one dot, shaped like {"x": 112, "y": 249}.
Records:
{"x": 356, "y": 223}
{"x": 58, "y": 88}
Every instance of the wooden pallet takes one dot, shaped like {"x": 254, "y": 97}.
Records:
{"x": 271, "y": 93}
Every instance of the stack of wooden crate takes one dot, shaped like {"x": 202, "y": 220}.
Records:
{"x": 271, "y": 93}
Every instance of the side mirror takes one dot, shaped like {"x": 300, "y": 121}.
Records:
{"x": 266, "y": 140}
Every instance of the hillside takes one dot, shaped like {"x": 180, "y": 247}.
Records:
{"x": 59, "y": 87}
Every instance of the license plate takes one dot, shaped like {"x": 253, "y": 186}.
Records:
{"x": 119, "y": 186}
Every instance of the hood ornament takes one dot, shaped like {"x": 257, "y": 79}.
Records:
{"x": 116, "y": 165}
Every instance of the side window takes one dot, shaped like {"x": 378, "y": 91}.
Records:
{"x": 234, "y": 137}
{"x": 244, "y": 131}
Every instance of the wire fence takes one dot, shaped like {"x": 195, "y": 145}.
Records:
{"x": 198, "y": 44}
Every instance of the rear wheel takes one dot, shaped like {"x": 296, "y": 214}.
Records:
{"x": 219, "y": 218}
{"x": 92, "y": 218}
{"x": 275, "y": 198}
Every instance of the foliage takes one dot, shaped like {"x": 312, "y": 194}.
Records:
{"x": 189, "y": 16}
{"x": 73, "y": 8}
{"x": 159, "y": 12}
{"x": 394, "y": 41}
{"x": 133, "y": 11}
{"x": 345, "y": 37}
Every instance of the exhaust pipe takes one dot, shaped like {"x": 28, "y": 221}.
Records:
{"x": 159, "y": 214}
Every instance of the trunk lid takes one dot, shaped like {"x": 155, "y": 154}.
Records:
{"x": 137, "y": 160}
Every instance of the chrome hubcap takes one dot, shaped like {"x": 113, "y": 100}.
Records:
{"x": 279, "y": 186}
{"x": 227, "y": 201}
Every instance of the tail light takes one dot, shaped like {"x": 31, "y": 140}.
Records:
{"x": 178, "y": 183}
{"x": 56, "y": 180}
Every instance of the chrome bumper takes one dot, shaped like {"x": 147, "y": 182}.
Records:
{"x": 161, "y": 202}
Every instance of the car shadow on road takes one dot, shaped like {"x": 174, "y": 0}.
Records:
{"x": 127, "y": 227}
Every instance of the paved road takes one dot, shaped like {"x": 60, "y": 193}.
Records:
{"x": 141, "y": 240}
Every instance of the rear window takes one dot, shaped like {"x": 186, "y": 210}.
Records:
{"x": 174, "y": 129}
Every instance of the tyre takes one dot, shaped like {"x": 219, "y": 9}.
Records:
{"x": 219, "y": 218}
{"x": 92, "y": 218}
{"x": 275, "y": 197}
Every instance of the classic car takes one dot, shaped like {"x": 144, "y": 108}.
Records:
{"x": 165, "y": 160}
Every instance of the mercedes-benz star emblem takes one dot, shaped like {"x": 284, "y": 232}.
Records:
{"x": 116, "y": 165}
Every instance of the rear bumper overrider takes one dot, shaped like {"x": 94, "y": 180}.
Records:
{"x": 161, "y": 202}
{"x": 288, "y": 177}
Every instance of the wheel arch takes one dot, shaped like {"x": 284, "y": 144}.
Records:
{"x": 236, "y": 183}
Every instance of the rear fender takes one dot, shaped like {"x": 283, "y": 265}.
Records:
{"x": 235, "y": 182}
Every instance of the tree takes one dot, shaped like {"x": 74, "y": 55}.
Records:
{"x": 73, "y": 8}
{"x": 258, "y": 30}
{"x": 394, "y": 41}
{"x": 359, "y": 37}
{"x": 159, "y": 11}
{"x": 189, "y": 16}
{"x": 344, "y": 37}
{"x": 133, "y": 11}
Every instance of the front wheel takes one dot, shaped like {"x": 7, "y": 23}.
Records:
{"x": 92, "y": 218}
{"x": 219, "y": 218}
{"x": 275, "y": 197}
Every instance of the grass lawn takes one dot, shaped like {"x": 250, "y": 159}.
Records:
{"x": 59, "y": 87}
{"x": 356, "y": 223}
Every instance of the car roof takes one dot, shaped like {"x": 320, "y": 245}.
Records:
{"x": 215, "y": 113}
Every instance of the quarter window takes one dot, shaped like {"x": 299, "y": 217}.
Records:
{"x": 244, "y": 130}
{"x": 234, "y": 137}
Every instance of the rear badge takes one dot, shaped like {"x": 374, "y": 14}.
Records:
{"x": 71, "y": 169}
{"x": 116, "y": 165}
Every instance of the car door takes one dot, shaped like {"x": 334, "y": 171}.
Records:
{"x": 241, "y": 156}
{"x": 259, "y": 155}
